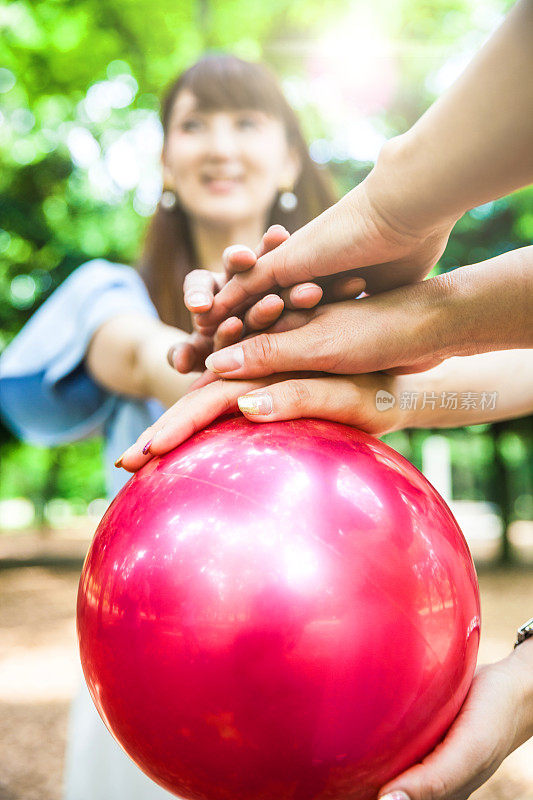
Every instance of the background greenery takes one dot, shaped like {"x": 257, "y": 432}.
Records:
{"x": 61, "y": 204}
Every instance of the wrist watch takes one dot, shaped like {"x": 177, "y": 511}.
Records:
{"x": 524, "y": 632}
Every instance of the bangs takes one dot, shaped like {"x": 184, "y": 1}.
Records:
{"x": 225, "y": 82}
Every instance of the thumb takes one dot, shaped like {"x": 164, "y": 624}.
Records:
{"x": 189, "y": 355}
{"x": 443, "y": 775}
{"x": 461, "y": 763}
{"x": 424, "y": 782}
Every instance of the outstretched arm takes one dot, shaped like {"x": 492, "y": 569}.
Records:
{"x": 126, "y": 355}
{"x": 461, "y": 391}
{"x": 472, "y": 309}
{"x": 471, "y": 146}
{"x": 474, "y": 143}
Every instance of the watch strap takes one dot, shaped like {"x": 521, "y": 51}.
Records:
{"x": 524, "y": 632}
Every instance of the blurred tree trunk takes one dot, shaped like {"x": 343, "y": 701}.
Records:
{"x": 501, "y": 489}
{"x": 47, "y": 493}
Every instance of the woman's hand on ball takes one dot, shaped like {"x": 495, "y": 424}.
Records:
{"x": 496, "y": 718}
{"x": 347, "y": 399}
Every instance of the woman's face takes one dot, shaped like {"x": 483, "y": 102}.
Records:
{"x": 226, "y": 167}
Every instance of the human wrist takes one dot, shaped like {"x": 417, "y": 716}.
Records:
{"x": 484, "y": 307}
{"x": 456, "y": 313}
{"x": 157, "y": 379}
{"x": 520, "y": 663}
{"x": 404, "y": 188}
{"x": 404, "y": 414}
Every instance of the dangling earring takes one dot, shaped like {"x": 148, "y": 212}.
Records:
{"x": 168, "y": 199}
{"x": 287, "y": 200}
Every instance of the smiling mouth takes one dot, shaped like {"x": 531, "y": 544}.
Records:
{"x": 221, "y": 185}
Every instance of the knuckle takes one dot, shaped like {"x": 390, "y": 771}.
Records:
{"x": 297, "y": 394}
{"x": 264, "y": 349}
{"x": 437, "y": 788}
{"x": 251, "y": 317}
{"x": 220, "y": 396}
{"x": 245, "y": 281}
{"x": 217, "y": 390}
{"x": 281, "y": 269}
{"x": 227, "y": 400}
{"x": 331, "y": 346}
{"x": 327, "y": 346}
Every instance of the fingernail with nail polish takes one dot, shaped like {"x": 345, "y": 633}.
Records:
{"x": 255, "y": 404}
{"x": 146, "y": 447}
{"x": 225, "y": 360}
{"x": 118, "y": 462}
{"x": 198, "y": 299}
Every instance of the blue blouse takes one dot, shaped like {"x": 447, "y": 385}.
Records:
{"x": 47, "y": 395}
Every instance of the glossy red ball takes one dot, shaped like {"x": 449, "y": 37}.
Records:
{"x": 282, "y": 611}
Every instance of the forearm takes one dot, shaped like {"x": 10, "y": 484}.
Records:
{"x": 520, "y": 661}
{"x": 127, "y": 355}
{"x": 474, "y": 309}
{"x": 467, "y": 391}
{"x": 474, "y": 143}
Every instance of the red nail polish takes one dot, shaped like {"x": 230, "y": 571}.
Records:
{"x": 146, "y": 447}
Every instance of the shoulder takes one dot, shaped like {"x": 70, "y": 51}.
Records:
{"x": 100, "y": 284}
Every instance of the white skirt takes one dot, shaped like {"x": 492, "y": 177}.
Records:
{"x": 96, "y": 768}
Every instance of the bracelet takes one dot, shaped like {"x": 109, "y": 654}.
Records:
{"x": 524, "y": 632}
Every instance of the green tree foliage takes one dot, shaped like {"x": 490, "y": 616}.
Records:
{"x": 79, "y": 77}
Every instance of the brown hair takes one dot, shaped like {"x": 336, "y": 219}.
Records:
{"x": 221, "y": 82}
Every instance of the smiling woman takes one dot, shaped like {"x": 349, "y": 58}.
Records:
{"x": 241, "y": 156}
{"x": 232, "y": 147}
{"x": 92, "y": 359}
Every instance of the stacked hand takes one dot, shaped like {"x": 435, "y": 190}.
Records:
{"x": 371, "y": 234}
{"x": 369, "y": 239}
{"x": 473, "y": 309}
{"x": 200, "y": 292}
{"x": 348, "y": 399}
{"x": 202, "y": 285}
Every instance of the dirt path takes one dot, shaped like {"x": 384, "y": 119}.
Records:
{"x": 39, "y": 673}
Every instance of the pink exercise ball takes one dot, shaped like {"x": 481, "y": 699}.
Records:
{"x": 285, "y": 610}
